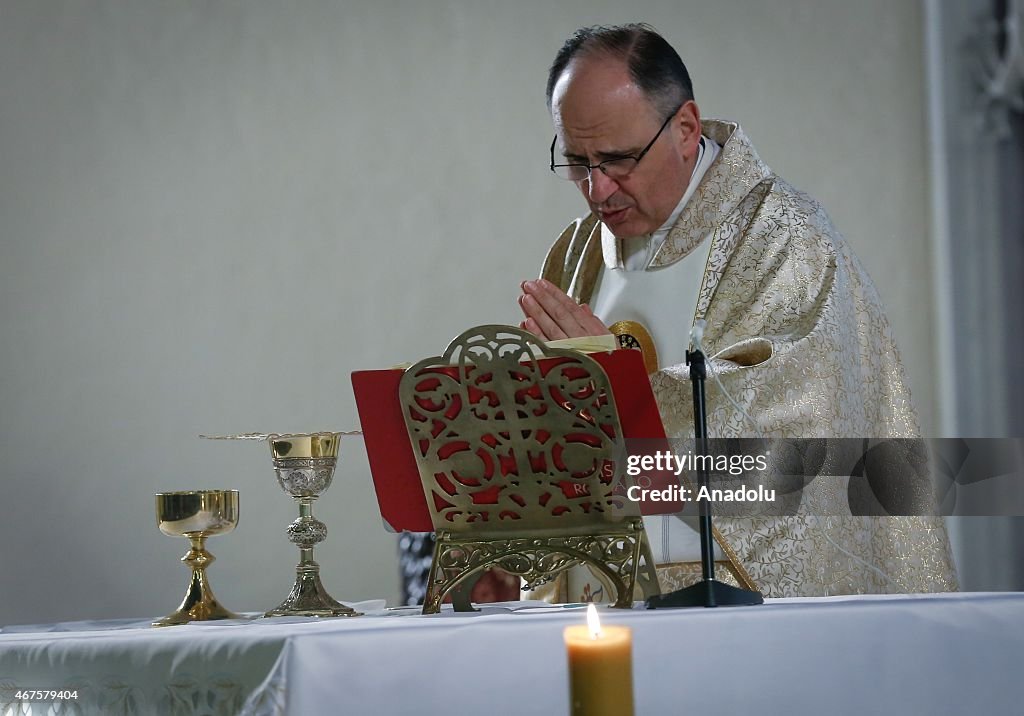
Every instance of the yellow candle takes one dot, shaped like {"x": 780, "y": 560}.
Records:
{"x": 600, "y": 668}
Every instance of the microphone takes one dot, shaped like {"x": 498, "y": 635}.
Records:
{"x": 697, "y": 335}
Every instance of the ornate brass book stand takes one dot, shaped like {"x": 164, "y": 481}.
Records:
{"x": 521, "y": 461}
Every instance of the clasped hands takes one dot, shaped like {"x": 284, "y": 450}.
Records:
{"x": 552, "y": 315}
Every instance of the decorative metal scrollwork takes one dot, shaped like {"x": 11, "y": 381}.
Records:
{"x": 520, "y": 454}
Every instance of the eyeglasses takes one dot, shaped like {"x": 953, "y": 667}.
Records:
{"x": 616, "y": 168}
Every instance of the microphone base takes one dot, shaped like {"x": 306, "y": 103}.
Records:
{"x": 706, "y": 593}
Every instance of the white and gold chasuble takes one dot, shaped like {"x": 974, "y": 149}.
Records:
{"x": 796, "y": 333}
{"x": 631, "y": 296}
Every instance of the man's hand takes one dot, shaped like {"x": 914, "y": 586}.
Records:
{"x": 552, "y": 315}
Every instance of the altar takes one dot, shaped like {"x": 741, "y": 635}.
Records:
{"x": 907, "y": 654}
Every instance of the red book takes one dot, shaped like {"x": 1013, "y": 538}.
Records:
{"x": 396, "y": 478}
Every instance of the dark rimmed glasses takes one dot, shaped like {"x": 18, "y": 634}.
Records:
{"x": 614, "y": 168}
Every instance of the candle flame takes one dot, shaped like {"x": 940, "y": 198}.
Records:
{"x": 593, "y": 622}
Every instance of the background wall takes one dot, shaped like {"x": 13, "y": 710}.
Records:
{"x": 212, "y": 212}
{"x": 977, "y": 161}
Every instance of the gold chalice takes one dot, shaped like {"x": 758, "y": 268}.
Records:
{"x": 197, "y": 515}
{"x": 305, "y": 464}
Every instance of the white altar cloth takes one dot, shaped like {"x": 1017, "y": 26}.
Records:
{"x": 914, "y": 654}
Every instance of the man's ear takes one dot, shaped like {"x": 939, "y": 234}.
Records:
{"x": 687, "y": 124}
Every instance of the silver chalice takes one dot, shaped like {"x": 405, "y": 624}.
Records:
{"x": 305, "y": 464}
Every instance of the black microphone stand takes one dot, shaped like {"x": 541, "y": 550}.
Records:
{"x": 708, "y": 592}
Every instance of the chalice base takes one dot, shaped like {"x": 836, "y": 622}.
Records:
{"x": 308, "y": 598}
{"x": 199, "y": 605}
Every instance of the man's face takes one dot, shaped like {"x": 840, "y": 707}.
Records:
{"x": 599, "y": 114}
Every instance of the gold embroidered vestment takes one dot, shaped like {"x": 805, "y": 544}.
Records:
{"x": 796, "y": 333}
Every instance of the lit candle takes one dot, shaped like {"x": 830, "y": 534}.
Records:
{"x": 600, "y": 668}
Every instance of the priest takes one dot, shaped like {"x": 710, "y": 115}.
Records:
{"x": 687, "y": 226}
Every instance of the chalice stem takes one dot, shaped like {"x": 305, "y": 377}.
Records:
{"x": 308, "y": 596}
{"x": 199, "y": 602}
{"x": 197, "y": 557}
{"x": 306, "y": 516}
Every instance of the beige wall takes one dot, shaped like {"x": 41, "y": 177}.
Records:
{"x": 212, "y": 212}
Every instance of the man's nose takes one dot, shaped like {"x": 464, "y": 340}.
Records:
{"x": 599, "y": 186}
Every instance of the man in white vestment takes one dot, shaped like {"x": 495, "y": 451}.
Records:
{"x": 688, "y": 225}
